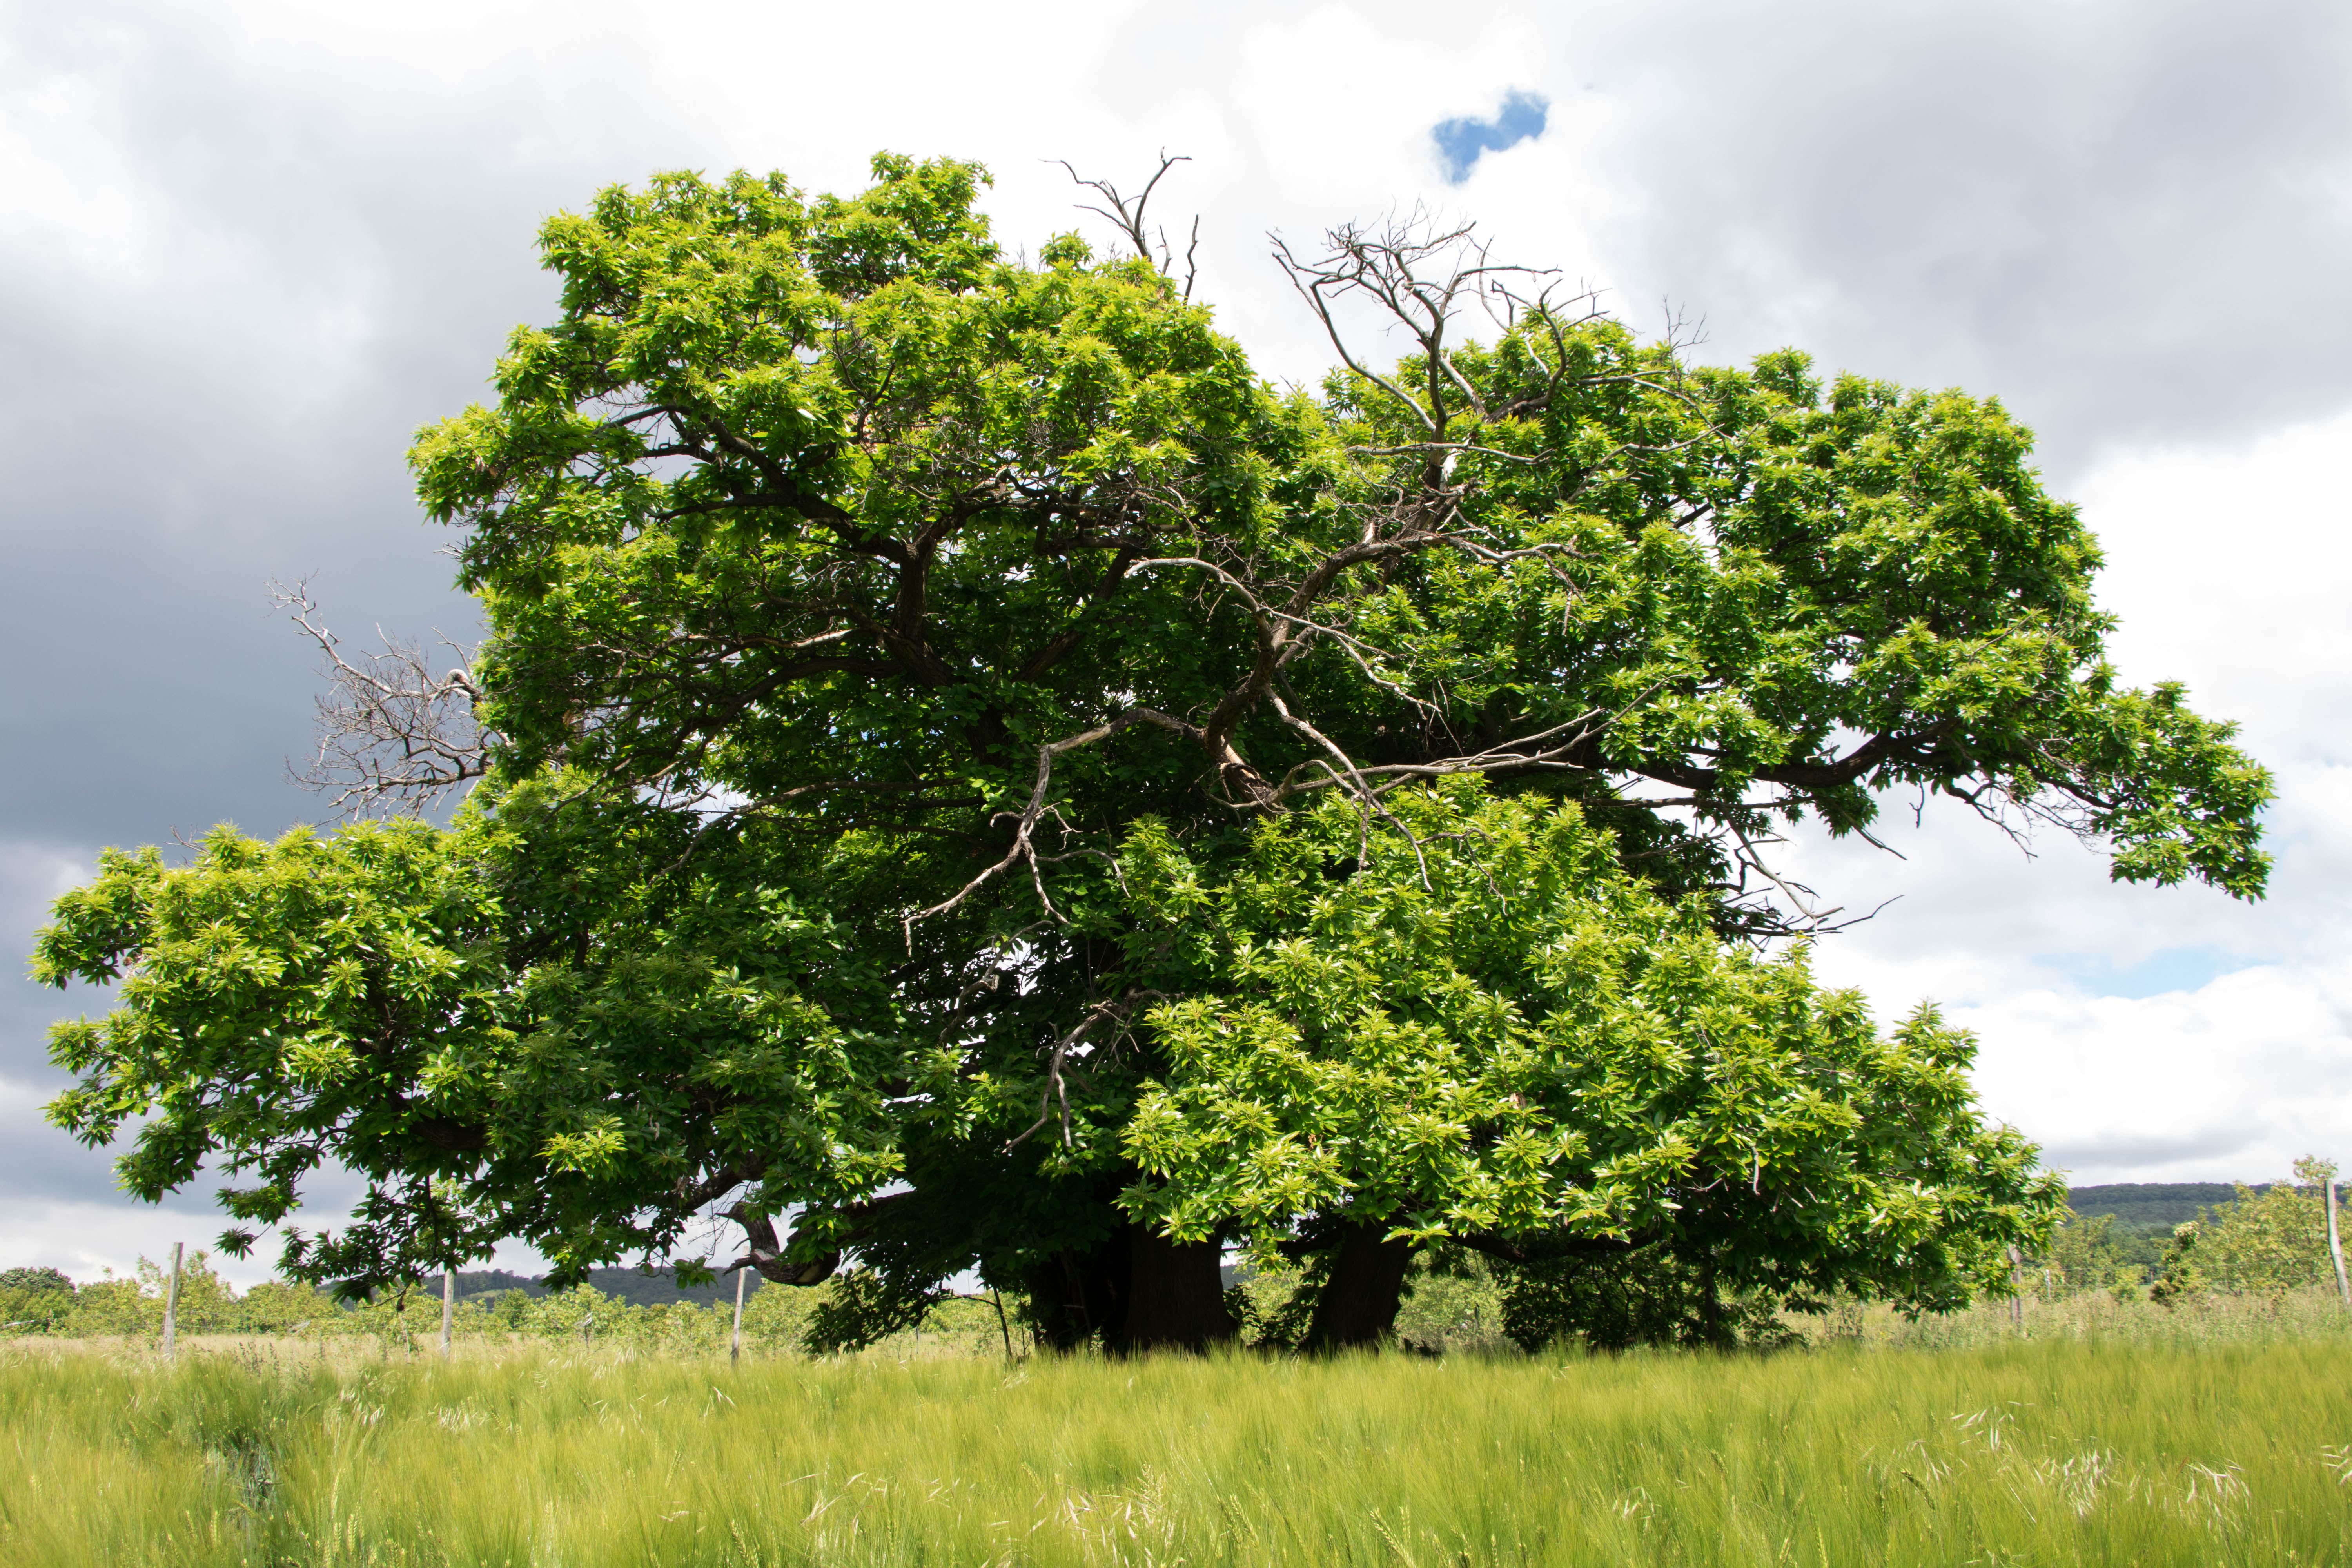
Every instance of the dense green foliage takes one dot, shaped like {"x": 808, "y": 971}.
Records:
{"x": 1340, "y": 1035}
{"x": 35, "y": 1298}
{"x": 972, "y": 767}
{"x": 2037, "y": 1453}
{"x": 132, "y": 1307}
{"x": 284, "y": 1003}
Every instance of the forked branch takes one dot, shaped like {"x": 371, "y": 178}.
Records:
{"x": 397, "y": 729}
{"x": 1057, "y": 1088}
{"x": 1419, "y": 276}
{"x": 1023, "y": 851}
{"x": 1127, "y": 214}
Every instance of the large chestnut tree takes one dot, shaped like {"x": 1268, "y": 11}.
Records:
{"x": 967, "y": 774}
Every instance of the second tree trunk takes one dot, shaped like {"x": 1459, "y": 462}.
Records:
{"x": 1358, "y": 1304}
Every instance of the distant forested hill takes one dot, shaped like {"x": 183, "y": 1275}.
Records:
{"x": 642, "y": 1289}
{"x": 2149, "y": 1205}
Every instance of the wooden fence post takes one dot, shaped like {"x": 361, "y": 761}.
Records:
{"x": 448, "y": 1306}
{"x": 2017, "y": 1289}
{"x": 172, "y": 1303}
{"x": 2336, "y": 1249}
{"x": 735, "y": 1347}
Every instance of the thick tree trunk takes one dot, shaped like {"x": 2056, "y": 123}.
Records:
{"x": 1710, "y": 1304}
{"x": 1176, "y": 1296}
{"x": 1359, "y": 1303}
{"x": 1134, "y": 1291}
{"x": 1076, "y": 1295}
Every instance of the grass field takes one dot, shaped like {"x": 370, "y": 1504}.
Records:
{"x": 2052, "y": 1451}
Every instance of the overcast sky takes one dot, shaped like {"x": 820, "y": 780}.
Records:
{"x": 246, "y": 249}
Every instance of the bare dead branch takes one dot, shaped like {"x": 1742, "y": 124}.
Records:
{"x": 1418, "y": 275}
{"x": 1023, "y": 850}
{"x": 1798, "y": 895}
{"x": 1057, "y": 1088}
{"x": 1127, "y": 214}
{"x": 1368, "y": 800}
{"x": 398, "y": 731}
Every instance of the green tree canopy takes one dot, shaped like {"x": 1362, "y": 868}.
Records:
{"x": 970, "y": 764}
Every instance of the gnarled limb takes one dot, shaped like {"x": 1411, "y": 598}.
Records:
{"x": 394, "y": 736}
{"x": 1024, "y": 850}
{"x": 1056, "y": 1088}
{"x": 761, "y": 1251}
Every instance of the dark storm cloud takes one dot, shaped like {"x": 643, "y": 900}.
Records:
{"x": 215, "y": 367}
{"x": 2134, "y": 221}
{"x": 200, "y": 417}
{"x": 240, "y": 264}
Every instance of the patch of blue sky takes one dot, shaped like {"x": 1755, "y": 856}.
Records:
{"x": 1461, "y": 142}
{"x": 2159, "y": 973}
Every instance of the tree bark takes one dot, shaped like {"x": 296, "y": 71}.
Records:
{"x": 1176, "y": 1296}
{"x": 1074, "y": 1294}
{"x": 1358, "y": 1304}
{"x": 1710, "y": 1304}
{"x": 1133, "y": 1291}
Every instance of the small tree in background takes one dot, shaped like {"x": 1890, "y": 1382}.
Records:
{"x": 134, "y": 1306}
{"x": 34, "y": 1301}
{"x": 285, "y": 1306}
{"x": 2265, "y": 1241}
{"x": 2086, "y": 1254}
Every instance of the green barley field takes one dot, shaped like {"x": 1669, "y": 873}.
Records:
{"x": 2227, "y": 1447}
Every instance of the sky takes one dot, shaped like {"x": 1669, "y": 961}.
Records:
{"x": 246, "y": 249}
